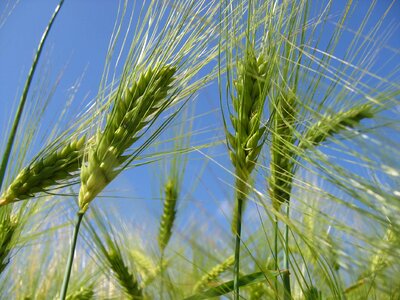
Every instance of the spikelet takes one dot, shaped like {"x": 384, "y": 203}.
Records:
{"x": 131, "y": 113}
{"x": 169, "y": 212}
{"x": 45, "y": 172}
{"x": 280, "y": 180}
{"x": 331, "y": 124}
{"x": 213, "y": 274}
{"x": 246, "y": 142}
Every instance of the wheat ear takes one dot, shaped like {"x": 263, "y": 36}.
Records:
{"x": 132, "y": 112}
{"x": 125, "y": 278}
{"x": 169, "y": 212}
{"x": 331, "y": 124}
{"x": 213, "y": 274}
{"x": 7, "y": 231}
{"x": 45, "y": 172}
{"x": 246, "y": 142}
{"x": 282, "y": 156}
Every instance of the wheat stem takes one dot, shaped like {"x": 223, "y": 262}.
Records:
{"x": 71, "y": 255}
{"x": 286, "y": 276}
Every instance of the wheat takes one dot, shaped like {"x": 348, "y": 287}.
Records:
{"x": 331, "y": 124}
{"x": 280, "y": 180}
{"x": 45, "y": 172}
{"x": 246, "y": 142}
{"x": 125, "y": 278}
{"x": 133, "y": 110}
{"x": 213, "y": 274}
{"x": 169, "y": 212}
{"x": 7, "y": 232}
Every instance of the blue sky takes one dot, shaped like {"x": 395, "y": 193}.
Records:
{"x": 78, "y": 45}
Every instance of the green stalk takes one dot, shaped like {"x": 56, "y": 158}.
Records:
{"x": 68, "y": 269}
{"x": 286, "y": 276}
{"x": 11, "y": 138}
{"x": 236, "y": 267}
{"x": 162, "y": 275}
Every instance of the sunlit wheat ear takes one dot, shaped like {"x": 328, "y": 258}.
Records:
{"x": 246, "y": 142}
{"x": 213, "y": 274}
{"x": 136, "y": 106}
{"x": 282, "y": 156}
{"x": 169, "y": 212}
{"x": 331, "y": 124}
{"x": 45, "y": 172}
{"x": 126, "y": 279}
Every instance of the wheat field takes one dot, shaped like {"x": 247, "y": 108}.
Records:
{"x": 200, "y": 149}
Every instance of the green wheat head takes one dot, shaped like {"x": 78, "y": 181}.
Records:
{"x": 169, "y": 212}
{"x": 280, "y": 180}
{"x": 125, "y": 278}
{"x": 213, "y": 274}
{"x": 331, "y": 124}
{"x": 246, "y": 142}
{"x": 45, "y": 172}
{"x": 133, "y": 110}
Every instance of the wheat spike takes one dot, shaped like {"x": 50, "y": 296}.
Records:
{"x": 132, "y": 112}
{"x": 280, "y": 180}
{"x": 169, "y": 212}
{"x": 125, "y": 278}
{"x": 45, "y": 172}
{"x": 7, "y": 231}
{"x": 246, "y": 142}
{"x": 331, "y": 124}
{"x": 213, "y": 274}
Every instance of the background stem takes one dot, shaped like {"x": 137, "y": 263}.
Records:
{"x": 236, "y": 267}
{"x": 286, "y": 276}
